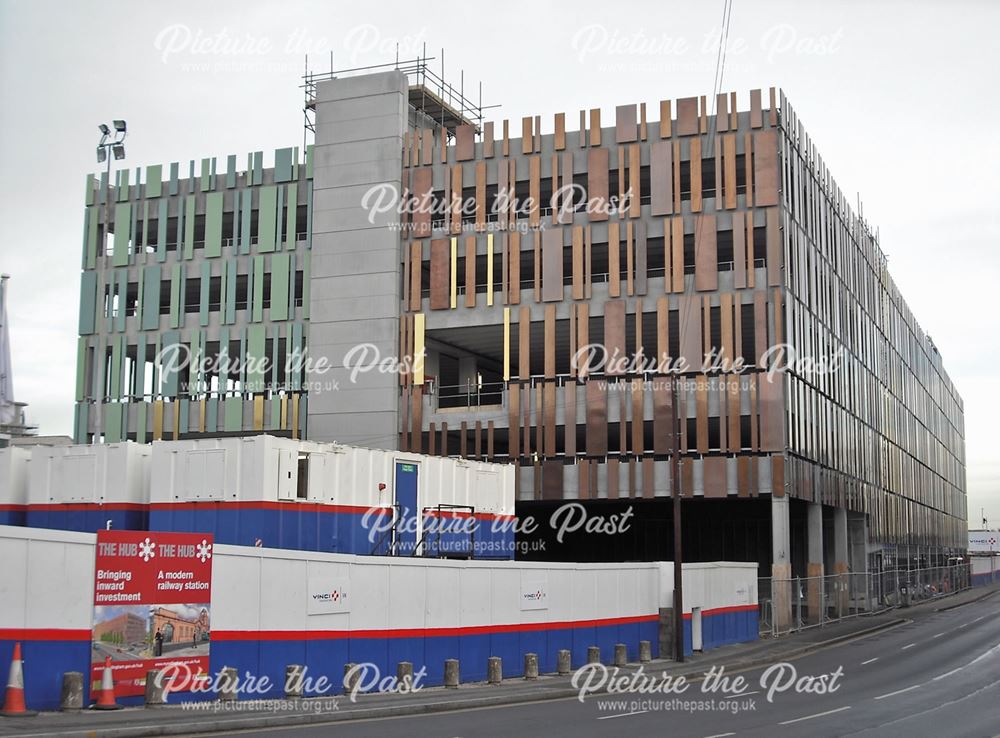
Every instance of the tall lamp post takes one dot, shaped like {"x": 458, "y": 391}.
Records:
{"x": 112, "y": 142}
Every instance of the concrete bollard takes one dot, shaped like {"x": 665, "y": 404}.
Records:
{"x": 451, "y": 675}
{"x": 404, "y": 673}
{"x": 564, "y": 661}
{"x": 494, "y": 670}
{"x": 154, "y": 689}
{"x": 350, "y": 678}
{"x": 228, "y": 683}
{"x": 72, "y": 691}
{"x": 645, "y": 652}
{"x": 593, "y": 655}
{"x": 621, "y": 654}
{"x": 531, "y": 666}
{"x": 293, "y": 681}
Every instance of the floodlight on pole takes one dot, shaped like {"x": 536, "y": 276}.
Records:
{"x": 102, "y": 154}
{"x": 103, "y": 128}
{"x": 119, "y": 151}
{"x": 119, "y": 125}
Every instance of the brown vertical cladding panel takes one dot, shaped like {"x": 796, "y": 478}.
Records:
{"x": 703, "y": 114}
{"x": 695, "y": 165}
{"x": 502, "y": 241}
{"x": 706, "y": 263}
{"x": 643, "y": 131}
{"x": 416, "y": 275}
{"x": 550, "y": 341}
{"x": 578, "y": 276}
{"x": 514, "y": 241}
{"x": 756, "y": 117}
{"x": 572, "y": 339}
{"x": 583, "y": 129}
{"x": 569, "y": 399}
{"x": 427, "y": 158}
{"x": 744, "y": 477}
{"x": 629, "y": 258}
{"x": 488, "y": 140}
{"x": 714, "y": 479}
{"x": 537, "y": 245}
{"x": 597, "y": 184}
{"x": 613, "y": 474}
{"x": 526, "y": 420}
{"x": 677, "y": 177}
{"x": 760, "y": 325}
{"x": 539, "y": 420}
{"x": 552, "y": 265}
{"x": 625, "y": 124}
{"x": 665, "y": 119}
{"x": 772, "y": 419}
{"x": 635, "y": 180}
{"x": 595, "y": 127}
{"x": 534, "y": 189}
{"x": 524, "y": 344}
{"x": 583, "y": 337}
{"x": 772, "y": 113}
{"x": 470, "y": 271}
{"x": 614, "y": 260}
{"x": 407, "y": 276}
{"x": 440, "y": 274}
{"x": 677, "y": 244}
{"x": 422, "y": 189}
{"x": 463, "y": 440}
{"x": 690, "y": 331}
{"x": 514, "y": 419}
{"x": 662, "y": 333}
{"x": 687, "y": 116}
{"x": 739, "y": 251}
{"x": 722, "y": 112}
{"x": 638, "y": 392}
{"x": 527, "y": 139}
{"x": 597, "y": 419}
{"x": 566, "y": 185}
{"x": 481, "y": 196}
{"x": 560, "y": 136}
{"x": 774, "y": 250}
{"x": 587, "y": 263}
{"x": 662, "y": 401}
{"x": 640, "y": 257}
{"x": 733, "y": 407}
{"x": 778, "y": 476}
{"x": 444, "y": 439}
{"x": 456, "y": 199}
{"x": 465, "y": 143}
{"x": 726, "y": 351}
{"x": 661, "y": 180}
{"x": 552, "y": 479}
{"x": 765, "y": 167}
{"x": 614, "y": 336}
{"x": 687, "y": 477}
{"x": 549, "y": 390}
{"x": 417, "y": 421}
{"x": 477, "y": 440}
{"x": 623, "y": 422}
{"x": 505, "y": 192}
{"x": 701, "y": 414}
{"x": 729, "y": 179}
{"x": 432, "y": 440}
{"x": 622, "y": 166}
{"x": 738, "y": 329}
{"x": 583, "y": 478}
{"x": 505, "y": 143}
{"x": 554, "y": 200}
{"x": 538, "y": 134}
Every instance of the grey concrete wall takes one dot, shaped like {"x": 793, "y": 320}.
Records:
{"x": 355, "y": 265}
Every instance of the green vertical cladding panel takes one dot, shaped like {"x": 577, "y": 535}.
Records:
{"x": 100, "y": 365}
{"x": 115, "y": 386}
{"x": 88, "y": 302}
{"x": 106, "y": 298}
{"x": 213, "y": 224}
{"x": 123, "y": 219}
{"x": 291, "y": 286}
{"x": 140, "y": 422}
{"x": 175, "y": 296}
{"x": 291, "y": 223}
{"x": 230, "y": 310}
{"x": 93, "y": 220}
{"x": 255, "y": 358}
{"x": 274, "y": 422}
{"x": 151, "y": 297}
{"x": 303, "y": 415}
{"x": 282, "y": 165}
{"x": 223, "y": 359}
{"x": 211, "y": 415}
{"x": 88, "y": 194}
{"x": 295, "y": 165}
{"x": 246, "y": 211}
{"x": 81, "y": 415}
{"x": 242, "y": 356}
{"x": 279, "y": 286}
{"x": 206, "y": 175}
{"x": 178, "y": 243}
{"x": 161, "y": 231}
{"x": 139, "y": 299}
{"x": 182, "y": 416}
{"x": 102, "y": 190}
{"x": 172, "y": 355}
{"x": 121, "y": 185}
{"x": 257, "y": 286}
{"x": 275, "y": 335}
{"x": 112, "y": 412}
{"x": 297, "y": 348}
{"x": 266, "y": 218}
{"x": 233, "y": 414}
{"x": 189, "y": 227}
{"x": 173, "y": 188}
{"x": 258, "y": 167}
{"x": 230, "y": 171}
{"x": 122, "y": 305}
{"x": 140, "y": 368}
{"x": 206, "y": 278}
{"x": 306, "y": 268}
{"x": 141, "y": 247}
{"x": 191, "y": 176}
{"x": 154, "y": 180}
{"x": 81, "y": 367}
{"x": 134, "y": 230}
{"x": 309, "y": 214}
{"x": 154, "y": 381}
{"x": 279, "y": 222}
{"x": 309, "y": 161}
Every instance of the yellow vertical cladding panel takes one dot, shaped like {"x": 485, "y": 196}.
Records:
{"x": 258, "y": 412}
{"x": 201, "y": 415}
{"x": 454, "y": 273}
{"x": 177, "y": 419}
{"x": 157, "y": 420}
{"x": 284, "y": 412}
{"x": 506, "y": 344}
{"x": 489, "y": 269}
{"x": 418, "y": 348}
{"x": 295, "y": 415}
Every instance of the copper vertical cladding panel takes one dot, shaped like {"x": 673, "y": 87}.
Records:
{"x": 774, "y": 252}
{"x": 687, "y": 477}
{"x": 524, "y": 344}
{"x": 405, "y": 352}
{"x": 567, "y": 186}
{"x": 465, "y": 143}
{"x": 677, "y": 244}
{"x": 550, "y": 341}
{"x": 614, "y": 336}
{"x": 527, "y": 140}
{"x": 432, "y": 439}
{"x": 778, "y": 476}
{"x": 416, "y": 275}
{"x": 748, "y": 168}
{"x": 726, "y": 352}
{"x": 463, "y": 440}
{"x": 629, "y": 258}
{"x": 417, "y": 420}
{"x": 643, "y": 131}
{"x": 689, "y": 325}
{"x": 706, "y": 264}
{"x": 756, "y": 117}
{"x": 514, "y": 260}
{"x": 743, "y": 483}
{"x": 488, "y": 140}
{"x": 407, "y": 278}
{"x": 595, "y": 127}
{"x": 703, "y": 114}
{"x": 613, "y": 491}
{"x": 739, "y": 251}
{"x": 687, "y": 116}
{"x": 504, "y": 269}
{"x": 720, "y": 390}
{"x": 597, "y": 184}
{"x": 638, "y": 448}
{"x": 677, "y": 177}
{"x": 640, "y": 257}
{"x": 622, "y": 166}
{"x": 597, "y": 418}
{"x": 578, "y": 276}
{"x": 622, "y": 414}
{"x": 552, "y": 479}
{"x": 661, "y": 180}
{"x": 772, "y": 419}
{"x": 625, "y": 123}
{"x": 505, "y": 191}
{"x": 537, "y": 246}
{"x": 738, "y": 329}
{"x": 583, "y": 129}
{"x": 477, "y": 440}
{"x": 701, "y": 414}
{"x": 538, "y": 134}
{"x": 714, "y": 479}
{"x": 514, "y": 420}
{"x": 470, "y": 271}
{"x": 572, "y": 339}
{"x": 552, "y": 265}
{"x": 583, "y": 478}
{"x": 662, "y": 400}
{"x": 614, "y": 260}
{"x": 525, "y": 420}
{"x": 754, "y": 415}
{"x": 539, "y": 420}
{"x": 729, "y": 179}
{"x": 534, "y": 189}
{"x": 480, "y": 195}
{"x": 560, "y": 134}
{"x": 422, "y": 188}
{"x": 456, "y": 199}
{"x": 721, "y": 112}
{"x": 765, "y": 167}
{"x": 444, "y": 439}
{"x": 733, "y": 412}
{"x": 665, "y": 119}
{"x": 635, "y": 180}
{"x": 588, "y": 271}
{"x": 662, "y": 333}
{"x": 505, "y": 143}
{"x": 555, "y": 202}
{"x": 440, "y": 274}
{"x": 583, "y": 337}
{"x": 549, "y": 390}
{"x": 779, "y": 313}
{"x": 772, "y": 113}
{"x": 427, "y": 156}
{"x": 695, "y": 165}
{"x": 569, "y": 400}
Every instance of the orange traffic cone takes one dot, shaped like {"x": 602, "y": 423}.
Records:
{"x": 13, "y": 704}
{"x": 106, "y": 694}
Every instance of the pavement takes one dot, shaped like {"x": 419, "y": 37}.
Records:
{"x": 958, "y": 632}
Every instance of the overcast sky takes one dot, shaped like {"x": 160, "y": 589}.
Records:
{"x": 900, "y": 99}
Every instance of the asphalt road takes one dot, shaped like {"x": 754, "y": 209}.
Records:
{"x": 936, "y": 676}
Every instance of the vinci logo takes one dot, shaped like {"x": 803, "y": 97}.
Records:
{"x": 337, "y": 595}
{"x": 536, "y": 596}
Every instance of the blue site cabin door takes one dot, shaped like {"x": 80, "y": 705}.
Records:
{"x": 408, "y": 522}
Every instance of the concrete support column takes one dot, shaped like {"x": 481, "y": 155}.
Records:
{"x": 840, "y": 560}
{"x": 781, "y": 566}
{"x": 814, "y": 562}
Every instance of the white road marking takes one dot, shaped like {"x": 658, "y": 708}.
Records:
{"x": 908, "y": 645}
{"x": 898, "y": 691}
{"x": 720, "y": 735}
{"x": 624, "y": 714}
{"x": 937, "y": 635}
{"x": 979, "y": 618}
{"x": 863, "y": 663}
{"x": 818, "y": 714}
{"x": 948, "y": 673}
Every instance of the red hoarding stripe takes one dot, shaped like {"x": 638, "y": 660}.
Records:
{"x": 44, "y": 634}
{"x": 723, "y": 610}
{"x": 84, "y": 506}
{"x": 13, "y": 508}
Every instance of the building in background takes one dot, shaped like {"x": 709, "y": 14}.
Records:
{"x": 700, "y": 227}
{"x": 13, "y": 421}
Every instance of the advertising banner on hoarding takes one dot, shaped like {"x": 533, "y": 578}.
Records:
{"x": 152, "y": 605}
